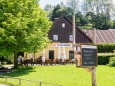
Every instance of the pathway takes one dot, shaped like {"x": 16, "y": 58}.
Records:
{"x": 2, "y": 85}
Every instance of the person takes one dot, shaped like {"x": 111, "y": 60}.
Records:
{"x": 40, "y": 60}
{"x": 25, "y": 59}
{"x": 19, "y": 59}
{"x": 32, "y": 57}
{"x": 26, "y": 56}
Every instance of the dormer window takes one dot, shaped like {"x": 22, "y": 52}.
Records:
{"x": 70, "y": 37}
{"x": 55, "y": 37}
{"x": 63, "y": 25}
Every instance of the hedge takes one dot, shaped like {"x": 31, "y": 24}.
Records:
{"x": 103, "y": 60}
{"x": 105, "y": 48}
{"x": 112, "y": 62}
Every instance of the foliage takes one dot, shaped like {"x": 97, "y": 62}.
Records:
{"x": 106, "y": 48}
{"x": 8, "y": 59}
{"x": 49, "y": 8}
{"x": 99, "y": 21}
{"x": 73, "y": 4}
{"x": 24, "y": 26}
{"x": 64, "y": 10}
{"x": 113, "y": 24}
{"x": 58, "y": 11}
{"x": 112, "y": 62}
{"x": 88, "y": 26}
{"x": 66, "y": 75}
{"x": 103, "y": 60}
{"x": 81, "y": 19}
{"x": 100, "y": 14}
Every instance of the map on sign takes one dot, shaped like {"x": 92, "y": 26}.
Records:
{"x": 89, "y": 55}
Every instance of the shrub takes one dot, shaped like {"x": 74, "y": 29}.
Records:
{"x": 103, "y": 60}
{"x": 106, "y": 48}
{"x": 112, "y": 62}
{"x": 6, "y": 59}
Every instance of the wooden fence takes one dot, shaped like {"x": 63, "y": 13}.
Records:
{"x": 20, "y": 81}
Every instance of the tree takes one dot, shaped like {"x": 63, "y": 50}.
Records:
{"x": 49, "y": 8}
{"x": 23, "y": 27}
{"x": 102, "y": 12}
{"x": 74, "y": 5}
{"x": 55, "y": 14}
{"x": 113, "y": 24}
{"x": 60, "y": 10}
{"x": 81, "y": 19}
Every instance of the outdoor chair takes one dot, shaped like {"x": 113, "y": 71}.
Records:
{"x": 71, "y": 61}
{"x": 67, "y": 61}
{"x": 47, "y": 61}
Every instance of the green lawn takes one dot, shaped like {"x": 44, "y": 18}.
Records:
{"x": 66, "y": 75}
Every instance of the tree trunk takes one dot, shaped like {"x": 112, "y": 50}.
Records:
{"x": 15, "y": 60}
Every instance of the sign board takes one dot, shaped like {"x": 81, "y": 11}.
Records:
{"x": 88, "y": 55}
{"x": 62, "y": 45}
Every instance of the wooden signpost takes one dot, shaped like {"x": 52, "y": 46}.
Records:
{"x": 89, "y": 59}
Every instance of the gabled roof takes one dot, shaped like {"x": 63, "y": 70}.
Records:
{"x": 102, "y": 36}
{"x": 77, "y": 28}
{"x": 81, "y": 37}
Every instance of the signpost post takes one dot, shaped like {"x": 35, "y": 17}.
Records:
{"x": 86, "y": 56}
{"x": 89, "y": 59}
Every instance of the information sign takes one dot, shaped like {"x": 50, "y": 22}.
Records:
{"x": 88, "y": 55}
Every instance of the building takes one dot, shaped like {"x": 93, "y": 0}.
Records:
{"x": 61, "y": 36}
{"x": 102, "y": 36}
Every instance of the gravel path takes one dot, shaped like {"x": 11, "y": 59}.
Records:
{"x": 2, "y": 85}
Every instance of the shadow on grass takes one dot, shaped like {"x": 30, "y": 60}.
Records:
{"x": 7, "y": 84}
{"x": 22, "y": 70}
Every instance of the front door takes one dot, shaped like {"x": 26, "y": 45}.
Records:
{"x": 51, "y": 54}
{"x": 71, "y": 54}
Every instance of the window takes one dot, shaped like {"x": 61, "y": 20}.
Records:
{"x": 63, "y": 25}
{"x": 70, "y": 37}
{"x": 55, "y": 37}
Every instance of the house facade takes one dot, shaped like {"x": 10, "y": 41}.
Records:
{"x": 61, "y": 36}
{"x": 61, "y": 46}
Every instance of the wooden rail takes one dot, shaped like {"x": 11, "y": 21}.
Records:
{"x": 20, "y": 81}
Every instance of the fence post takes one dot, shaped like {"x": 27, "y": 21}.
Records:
{"x": 19, "y": 81}
{"x": 40, "y": 83}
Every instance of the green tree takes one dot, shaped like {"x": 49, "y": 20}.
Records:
{"x": 23, "y": 27}
{"x": 74, "y": 5}
{"x": 113, "y": 24}
{"x": 102, "y": 12}
{"x": 81, "y": 19}
{"x": 58, "y": 11}
{"x": 49, "y": 8}
{"x": 55, "y": 13}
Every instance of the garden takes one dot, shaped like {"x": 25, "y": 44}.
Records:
{"x": 66, "y": 75}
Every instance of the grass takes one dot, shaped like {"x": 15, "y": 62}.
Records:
{"x": 105, "y": 54}
{"x": 66, "y": 75}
